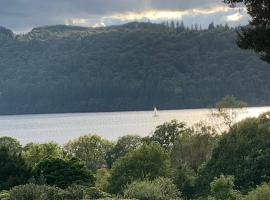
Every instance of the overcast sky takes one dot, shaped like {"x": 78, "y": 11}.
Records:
{"x": 23, "y": 15}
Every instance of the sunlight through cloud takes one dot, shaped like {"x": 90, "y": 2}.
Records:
{"x": 235, "y": 17}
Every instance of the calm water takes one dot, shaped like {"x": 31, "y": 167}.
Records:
{"x": 63, "y": 127}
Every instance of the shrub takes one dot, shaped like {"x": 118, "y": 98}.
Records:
{"x": 260, "y": 193}
{"x": 158, "y": 189}
{"x": 147, "y": 162}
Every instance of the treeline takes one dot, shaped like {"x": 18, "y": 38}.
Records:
{"x": 131, "y": 67}
{"x": 175, "y": 162}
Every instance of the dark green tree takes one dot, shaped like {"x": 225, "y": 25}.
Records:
{"x": 13, "y": 169}
{"x": 63, "y": 173}
{"x": 256, "y": 36}
{"x": 185, "y": 180}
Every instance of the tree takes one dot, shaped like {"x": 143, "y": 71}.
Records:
{"x": 91, "y": 149}
{"x": 102, "y": 179}
{"x": 211, "y": 26}
{"x": 123, "y": 146}
{"x": 63, "y": 173}
{"x": 158, "y": 189}
{"x": 147, "y": 162}
{"x": 182, "y": 27}
{"x": 222, "y": 188}
{"x": 185, "y": 180}
{"x": 255, "y": 36}
{"x": 12, "y": 145}
{"x": 13, "y": 170}
{"x": 167, "y": 133}
{"x": 261, "y": 192}
{"x": 35, "y": 153}
{"x": 244, "y": 153}
{"x": 227, "y": 109}
{"x": 193, "y": 147}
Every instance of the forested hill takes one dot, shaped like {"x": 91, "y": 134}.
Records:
{"x": 131, "y": 67}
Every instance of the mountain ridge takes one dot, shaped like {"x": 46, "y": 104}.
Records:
{"x": 135, "y": 66}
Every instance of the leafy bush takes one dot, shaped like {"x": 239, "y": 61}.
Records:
{"x": 262, "y": 192}
{"x": 102, "y": 179}
{"x": 158, "y": 189}
{"x": 147, "y": 162}
{"x": 34, "y": 192}
{"x": 45, "y": 192}
{"x": 4, "y": 195}
{"x": 222, "y": 189}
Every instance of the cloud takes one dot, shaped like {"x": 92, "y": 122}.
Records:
{"x": 235, "y": 17}
{"x": 21, "y": 15}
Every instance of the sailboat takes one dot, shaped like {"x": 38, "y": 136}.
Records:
{"x": 155, "y": 112}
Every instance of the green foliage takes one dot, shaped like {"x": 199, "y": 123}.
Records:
{"x": 34, "y": 192}
{"x": 255, "y": 36}
{"x": 4, "y": 195}
{"x": 45, "y": 192}
{"x": 158, "y": 189}
{"x": 243, "y": 152}
{"x": 228, "y": 109}
{"x": 12, "y": 145}
{"x": 91, "y": 149}
{"x": 147, "y": 162}
{"x": 185, "y": 180}
{"x": 13, "y": 170}
{"x": 129, "y": 67}
{"x": 193, "y": 147}
{"x": 63, "y": 173}
{"x": 33, "y": 153}
{"x": 167, "y": 133}
{"x": 123, "y": 146}
{"x": 222, "y": 189}
{"x": 262, "y": 192}
{"x": 102, "y": 179}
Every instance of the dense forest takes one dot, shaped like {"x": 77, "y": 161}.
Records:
{"x": 135, "y": 66}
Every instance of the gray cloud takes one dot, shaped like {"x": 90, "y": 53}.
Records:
{"x": 22, "y": 15}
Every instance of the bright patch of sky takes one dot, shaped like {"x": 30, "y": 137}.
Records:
{"x": 23, "y": 15}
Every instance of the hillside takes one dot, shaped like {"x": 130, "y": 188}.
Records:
{"x": 130, "y": 67}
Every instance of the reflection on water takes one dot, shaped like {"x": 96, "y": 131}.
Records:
{"x": 63, "y": 127}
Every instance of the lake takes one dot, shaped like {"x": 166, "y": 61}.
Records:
{"x": 61, "y": 128}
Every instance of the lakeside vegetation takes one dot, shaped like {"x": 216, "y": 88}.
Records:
{"x": 135, "y": 66}
{"x": 175, "y": 162}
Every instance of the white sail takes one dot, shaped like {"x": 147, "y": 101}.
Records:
{"x": 155, "y": 112}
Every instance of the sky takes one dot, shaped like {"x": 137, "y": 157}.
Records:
{"x": 23, "y": 15}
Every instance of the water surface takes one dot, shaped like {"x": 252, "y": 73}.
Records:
{"x": 63, "y": 127}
